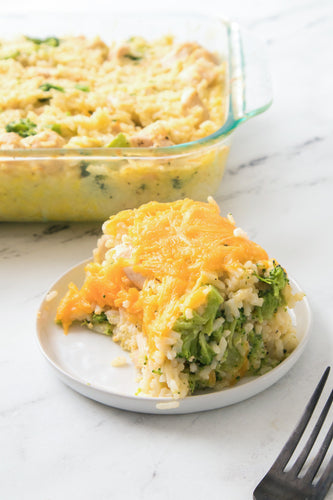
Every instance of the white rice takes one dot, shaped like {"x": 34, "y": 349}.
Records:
{"x": 161, "y": 372}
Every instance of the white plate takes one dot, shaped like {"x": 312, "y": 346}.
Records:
{"x": 83, "y": 361}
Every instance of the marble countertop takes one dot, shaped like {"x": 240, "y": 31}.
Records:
{"x": 55, "y": 443}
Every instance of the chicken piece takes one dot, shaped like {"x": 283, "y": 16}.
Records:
{"x": 180, "y": 52}
{"x": 45, "y": 72}
{"x": 45, "y": 139}
{"x": 83, "y": 141}
{"x": 140, "y": 141}
{"x": 10, "y": 140}
{"x": 106, "y": 243}
{"x": 202, "y": 53}
{"x": 188, "y": 50}
{"x": 201, "y": 70}
{"x": 136, "y": 278}
{"x": 191, "y": 98}
{"x": 97, "y": 43}
{"x": 155, "y": 134}
{"x": 121, "y": 251}
{"x": 120, "y": 51}
{"x": 120, "y": 100}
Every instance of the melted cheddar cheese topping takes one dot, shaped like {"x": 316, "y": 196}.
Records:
{"x": 173, "y": 247}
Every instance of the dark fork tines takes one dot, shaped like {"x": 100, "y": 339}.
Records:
{"x": 291, "y": 484}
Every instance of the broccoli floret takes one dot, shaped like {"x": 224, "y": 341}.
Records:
{"x": 257, "y": 350}
{"x": 119, "y": 141}
{"x": 23, "y": 127}
{"x": 196, "y": 331}
{"x": 132, "y": 57}
{"x": 98, "y": 318}
{"x": 84, "y": 88}
{"x": 46, "y": 87}
{"x": 99, "y": 323}
{"x": 84, "y": 169}
{"x": 13, "y": 55}
{"x": 271, "y": 293}
{"x": 52, "y": 41}
{"x": 55, "y": 127}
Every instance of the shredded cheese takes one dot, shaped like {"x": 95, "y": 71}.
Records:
{"x": 173, "y": 246}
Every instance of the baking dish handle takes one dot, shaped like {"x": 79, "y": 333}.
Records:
{"x": 251, "y": 88}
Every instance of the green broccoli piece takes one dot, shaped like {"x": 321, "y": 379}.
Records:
{"x": 177, "y": 183}
{"x": 99, "y": 322}
{"x": 23, "y": 127}
{"x": 119, "y": 141}
{"x": 132, "y": 57}
{"x": 196, "y": 332}
{"x": 52, "y": 41}
{"x": 13, "y": 55}
{"x": 98, "y": 318}
{"x": 271, "y": 293}
{"x": 84, "y": 88}
{"x": 277, "y": 279}
{"x": 55, "y": 127}
{"x": 46, "y": 87}
{"x": 84, "y": 169}
{"x": 257, "y": 350}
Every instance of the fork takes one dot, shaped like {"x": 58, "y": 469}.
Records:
{"x": 279, "y": 484}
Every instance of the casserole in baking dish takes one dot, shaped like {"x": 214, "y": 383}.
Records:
{"x": 63, "y": 157}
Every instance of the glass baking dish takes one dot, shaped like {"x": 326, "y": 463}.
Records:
{"x": 92, "y": 183}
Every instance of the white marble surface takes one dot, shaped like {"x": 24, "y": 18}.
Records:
{"x": 56, "y": 444}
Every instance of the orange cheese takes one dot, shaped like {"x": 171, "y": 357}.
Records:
{"x": 172, "y": 244}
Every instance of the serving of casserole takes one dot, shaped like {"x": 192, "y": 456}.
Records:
{"x": 188, "y": 294}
